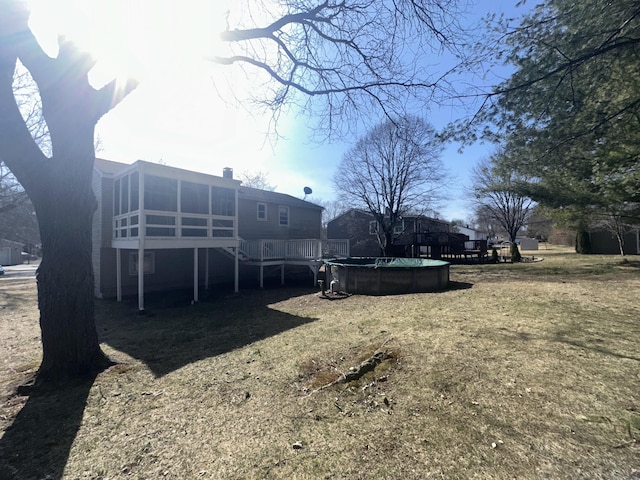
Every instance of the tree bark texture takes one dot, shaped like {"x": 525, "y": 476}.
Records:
{"x": 59, "y": 187}
{"x": 65, "y": 276}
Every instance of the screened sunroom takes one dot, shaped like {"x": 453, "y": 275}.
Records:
{"x": 156, "y": 207}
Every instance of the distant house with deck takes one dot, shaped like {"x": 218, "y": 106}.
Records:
{"x": 194, "y": 230}
{"x": 360, "y": 228}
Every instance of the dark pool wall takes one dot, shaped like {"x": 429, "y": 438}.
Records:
{"x": 365, "y": 280}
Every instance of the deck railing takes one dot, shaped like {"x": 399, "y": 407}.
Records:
{"x": 303, "y": 249}
{"x": 335, "y": 248}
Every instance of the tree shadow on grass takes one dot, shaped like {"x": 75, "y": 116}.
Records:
{"x": 172, "y": 335}
{"x": 37, "y": 444}
{"x": 459, "y": 285}
{"x": 594, "y": 346}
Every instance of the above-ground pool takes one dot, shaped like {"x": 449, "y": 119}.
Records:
{"x": 383, "y": 276}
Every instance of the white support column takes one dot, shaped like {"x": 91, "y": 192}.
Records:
{"x": 236, "y": 264}
{"x": 142, "y": 233}
{"x": 282, "y": 274}
{"x": 141, "y": 277}
{"x": 315, "y": 268}
{"x": 261, "y": 276}
{"x": 195, "y": 275}
{"x": 206, "y": 269}
{"x": 236, "y": 267}
{"x": 118, "y": 276}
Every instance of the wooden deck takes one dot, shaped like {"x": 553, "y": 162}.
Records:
{"x": 305, "y": 252}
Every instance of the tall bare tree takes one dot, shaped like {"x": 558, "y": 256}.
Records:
{"x": 257, "y": 179}
{"x": 495, "y": 192}
{"x": 335, "y": 60}
{"x": 394, "y": 170}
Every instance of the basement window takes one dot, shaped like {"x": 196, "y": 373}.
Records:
{"x": 149, "y": 263}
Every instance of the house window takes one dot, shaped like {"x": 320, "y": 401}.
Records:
{"x": 116, "y": 197}
{"x": 149, "y": 263}
{"x": 125, "y": 194}
{"x": 124, "y": 203}
{"x": 194, "y": 198}
{"x": 398, "y": 228}
{"x": 160, "y": 193}
{"x": 262, "y": 212}
{"x": 135, "y": 189}
{"x": 373, "y": 227}
{"x": 223, "y": 201}
{"x": 283, "y": 215}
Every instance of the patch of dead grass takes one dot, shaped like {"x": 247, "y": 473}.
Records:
{"x": 530, "y": 372}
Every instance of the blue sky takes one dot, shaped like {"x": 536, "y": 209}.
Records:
{"x": 177, "y": 116}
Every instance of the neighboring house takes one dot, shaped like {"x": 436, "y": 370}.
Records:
{"x": 472, "y": 233}
{"x": 353, "y": 225}
{"x": 192, "y": 230}
{"x": 10, "y": 252}
{"x": 360, "y": 228}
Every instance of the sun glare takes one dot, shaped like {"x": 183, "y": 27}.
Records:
{"x": 161, "y": 39}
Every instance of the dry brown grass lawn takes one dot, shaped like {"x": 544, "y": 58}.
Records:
{"x": 521, "y": 371}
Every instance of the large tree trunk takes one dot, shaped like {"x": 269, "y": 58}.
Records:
{"x": 388, "y": 243}
{"x": 65, "y": 277}
{"x": 514, "y": 251}
{"x": 59, "y": 187}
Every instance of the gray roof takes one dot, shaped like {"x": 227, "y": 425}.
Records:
{"x": 267, "y": 196}
{"x": 109, "y": 166}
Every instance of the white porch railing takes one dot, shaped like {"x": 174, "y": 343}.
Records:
{"x": 336, "y": 248}
{"x": 303, "y": 249}
{"x": 160, "y": 224}
{"x": 281, "y": 249}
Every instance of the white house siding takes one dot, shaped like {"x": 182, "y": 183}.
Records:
{"x": 10, "y": 252}
{"x": 5, "y": 256}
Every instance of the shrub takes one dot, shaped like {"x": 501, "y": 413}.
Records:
{"x": 583, "y": 242}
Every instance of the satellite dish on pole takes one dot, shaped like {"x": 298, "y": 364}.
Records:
{"x": 307, "y": 191}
